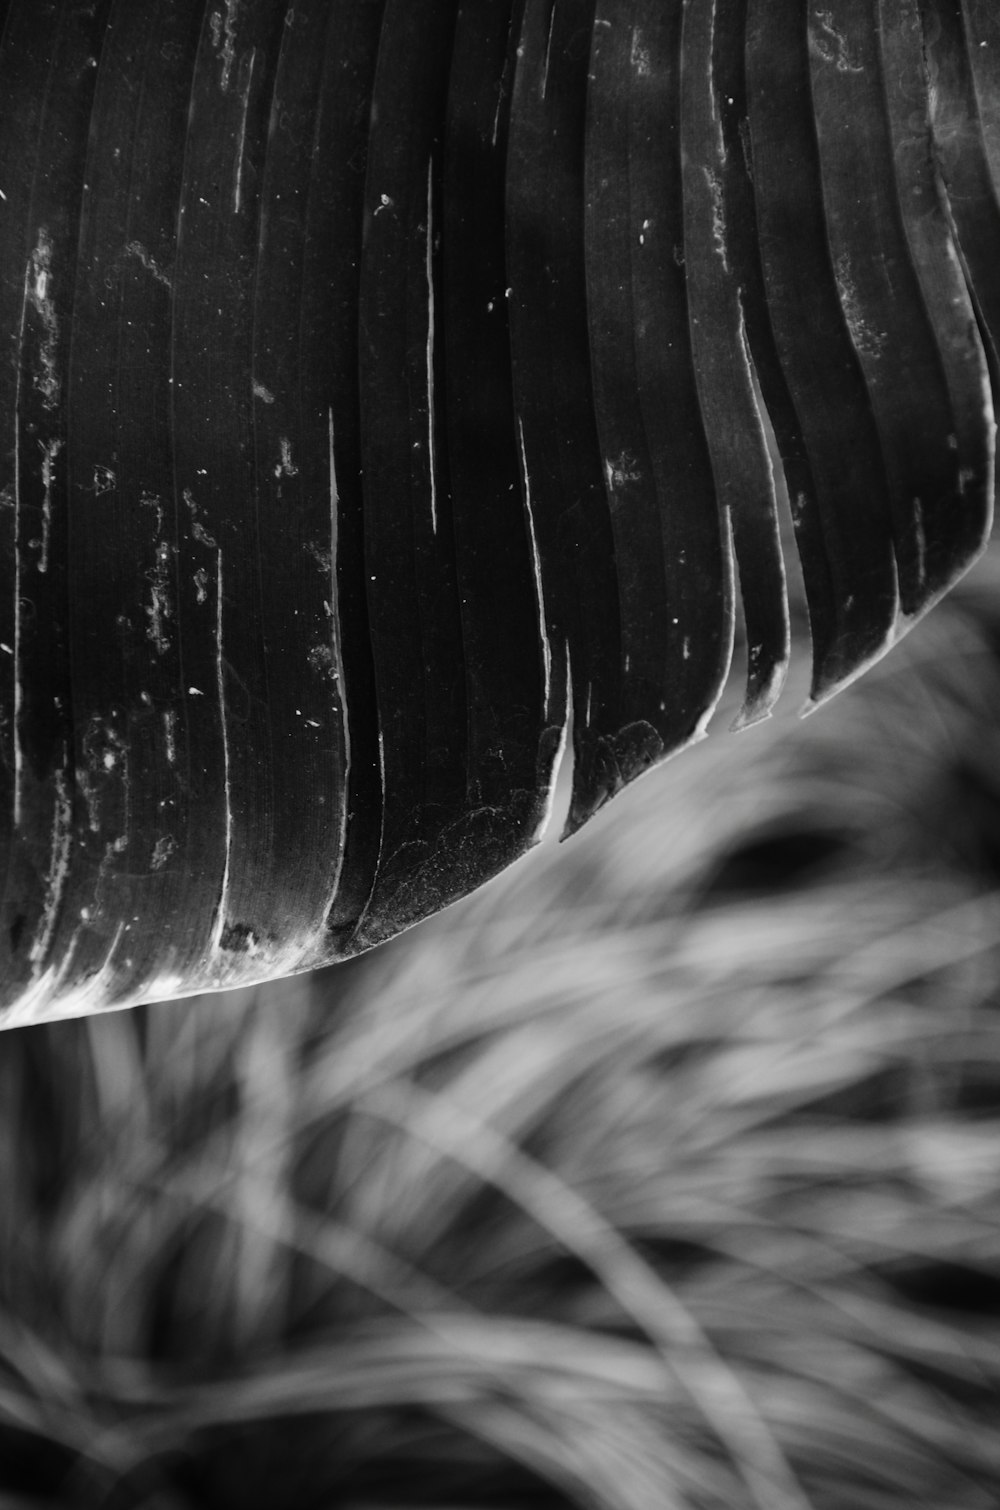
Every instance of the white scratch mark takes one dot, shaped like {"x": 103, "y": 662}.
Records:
{"x": 718, "y": 217}
{"x": 338, "y": 654}
{"x": 137, "y": 250}
{"x": 45, "y": 1000}
{"x": 537, "y": 564}
{"x": 381, "y": 757}
{"x": 40, "y": 296}
{"x": 560, "y": 754}
{"x": 49, "y": 453}
{"x": 264, "y": 394}
{"x": 921, "y": 538}
{"x": 241, "y": 142}
{"x": 201, "y": 584}
{"x": 104, "y": 481}
{"x": 18, "y": 600}
{"x": 59, "y": 853}
{"x": 714, "y": 100}
{"x": 330, "y": 565}
{"x": 548, "y": 52}
{"x": 220, "y": 683}
{"x": 986, "y": 387}
{"x": 384, "y": 203}
{"x": 431, "y": 456}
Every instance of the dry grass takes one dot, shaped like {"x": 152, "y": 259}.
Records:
{"x": 665, "y": 1172}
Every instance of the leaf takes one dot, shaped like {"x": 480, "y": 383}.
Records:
{"x": 397, "y": 389}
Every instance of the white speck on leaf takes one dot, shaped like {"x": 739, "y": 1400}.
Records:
{"x": 639, "y": 56}
{"x": 620, "y": 471}
{"x": 198, "y": 530}
{"x": 104, "y": 480}
{"x": 162, "y": 851}
{"x": 160, "y": 608}
{"x": 137, "y": 250}
{"x": 224, "y": 39}
{"x": 286, "y": 467}
{"x": 170, "y": 734}
{"x": 151, "y": 501}
{"x": 831, "y": 45}
{"x": 867, "y": 342}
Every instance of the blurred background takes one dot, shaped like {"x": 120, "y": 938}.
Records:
{"x": 663, "y": 1172}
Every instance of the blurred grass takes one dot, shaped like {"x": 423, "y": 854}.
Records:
{"x": 663, "y": 1172}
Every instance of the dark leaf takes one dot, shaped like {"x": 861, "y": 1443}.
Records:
{"x": 394, "y": 390}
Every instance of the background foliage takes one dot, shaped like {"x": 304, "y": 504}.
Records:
{"x": 663, "y": 1171}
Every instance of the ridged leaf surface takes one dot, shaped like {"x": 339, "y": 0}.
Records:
{"x": 392, "y": 390}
